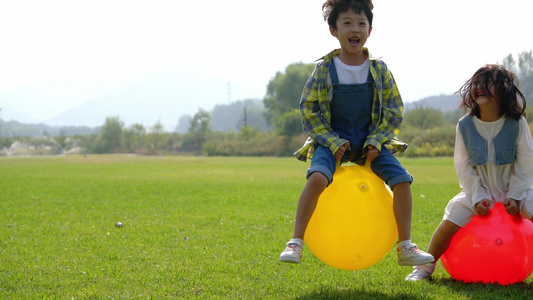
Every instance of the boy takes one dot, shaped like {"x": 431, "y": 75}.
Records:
{"x": 351, "y": 109}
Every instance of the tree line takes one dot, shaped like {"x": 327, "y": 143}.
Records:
{"x": 270, "y": 127}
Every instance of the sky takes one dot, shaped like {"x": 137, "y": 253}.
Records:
{"x": 92, "y": 48}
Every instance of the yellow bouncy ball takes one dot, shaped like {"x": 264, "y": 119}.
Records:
{"x": 353, "y": 226}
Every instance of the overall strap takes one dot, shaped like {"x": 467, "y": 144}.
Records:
{"x": 333, "y": 73}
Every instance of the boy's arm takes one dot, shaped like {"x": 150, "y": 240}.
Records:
{"x": 314, "y": 123}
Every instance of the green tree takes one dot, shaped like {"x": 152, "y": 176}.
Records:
{"x": 453, "y": 116}
{"x": 525, "y": 65}
{"x": 523, "y": 68}
{"x": 86, "y": 142}
{"x": 231, "y": 117}
{"x": 61, "y": 140}
{"x": 5, "y": 142}
{"x": 283, "y": 95}
{"x": 201, "y": 122}
{"x": 289, "y": 123}
{"x": 249, "y": 133}
{"x": 529, "y": 114}
{"x": 509, "y": 63}
{"x": 111, "y": 136}
{"x": 199, "y": 130}
{"x": 134, "y": 138}
{"x": 424, "y": 118}
{"x": 158, "y": 138}
{"x": 183, "y": 124}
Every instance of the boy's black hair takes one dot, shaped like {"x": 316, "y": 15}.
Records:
{"x": 505, "y": 84}
{"x": 332, "y": 8}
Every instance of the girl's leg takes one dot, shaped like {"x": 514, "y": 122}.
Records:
{"x": 440, "y": 241}
{"x": 316, "y": 183}
{"x": 442, "y": 237}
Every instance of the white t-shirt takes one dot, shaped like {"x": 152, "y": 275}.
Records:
{"x": 351, "y": 74}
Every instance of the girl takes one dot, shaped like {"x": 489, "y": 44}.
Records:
{"x": 493, "y": 157}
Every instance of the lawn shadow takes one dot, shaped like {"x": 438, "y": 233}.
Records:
{"x": 347, "y": 293}
{"x": 482, "y": 291}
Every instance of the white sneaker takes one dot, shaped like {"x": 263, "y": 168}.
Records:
{"x": 293, "y": 251}
{"x": 412, "y": 256}
{"x": 421, "y": 272}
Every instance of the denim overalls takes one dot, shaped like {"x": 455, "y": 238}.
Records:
{"x": 351, "y": 111}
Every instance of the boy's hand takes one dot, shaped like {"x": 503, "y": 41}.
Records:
{"x": 340, "y": 152}
{"x": 482, "y": 207}
{"x": 511, "y": 206}
{"x": 371, "y": 153}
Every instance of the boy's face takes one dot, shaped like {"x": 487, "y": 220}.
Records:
{"x": 352, "y": 31}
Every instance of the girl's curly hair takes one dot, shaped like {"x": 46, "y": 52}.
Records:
{"x": 505, "y": 87}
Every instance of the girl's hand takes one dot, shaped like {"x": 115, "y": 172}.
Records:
{"x": 511, "y": 206}
{"x": 340, "y": 152}
{"x": 482, "y": 207}
{"x": 371, "y": 153}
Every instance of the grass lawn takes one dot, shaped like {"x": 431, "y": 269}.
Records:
{"x": 194, "y": 228}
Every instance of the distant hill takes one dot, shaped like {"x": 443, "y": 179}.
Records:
{"x": 149, "y": 100}
{"x": 160, "y": 96}
{"x": 18, "y": 129}
{"x": 157, "y": 97}
{"x": 9, "y": 114}
{"x": 441, "y": 102}
{"x": 38, "y": 101}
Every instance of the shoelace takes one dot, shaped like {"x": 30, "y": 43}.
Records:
{"x": 293, "y": 246}
{"x": 413, "y": 248}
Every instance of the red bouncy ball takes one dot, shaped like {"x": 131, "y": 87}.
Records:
{"x": 497, "y": 248}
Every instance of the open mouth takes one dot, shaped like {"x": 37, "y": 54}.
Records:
{"x": 480, "y": 94}
{"x": 354, "y": 41}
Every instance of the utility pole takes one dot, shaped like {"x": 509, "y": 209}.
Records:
{"x": 0, "y": 123}
{"x": 244, "y": 121}
{"x": 229, "y": 92}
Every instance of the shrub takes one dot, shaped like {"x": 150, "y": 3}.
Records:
{"x": 437, "y": 141}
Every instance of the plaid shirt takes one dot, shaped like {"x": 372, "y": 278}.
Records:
{"x": 387, "y": 110}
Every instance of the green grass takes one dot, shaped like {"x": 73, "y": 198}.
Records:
{"x": 194, "y": 227}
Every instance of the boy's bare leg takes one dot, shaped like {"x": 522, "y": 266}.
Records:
{"x": 316, "y": 183}
{"x": 402, "y": 206}
{"x": 408, "y": 252}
